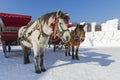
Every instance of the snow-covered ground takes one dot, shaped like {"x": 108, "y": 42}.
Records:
{"x": 99, "y": 59}
{"x": 94, "y": 64}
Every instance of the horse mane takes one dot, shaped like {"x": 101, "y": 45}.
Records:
{"x": 46, "y": 17}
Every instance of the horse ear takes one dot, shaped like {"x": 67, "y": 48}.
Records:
{"x": 59, "y": 12}
{"x": 66, "y": 14}
{"x": 81, "y": 26}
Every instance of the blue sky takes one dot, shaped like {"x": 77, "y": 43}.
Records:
{"x": 80, "y": 10}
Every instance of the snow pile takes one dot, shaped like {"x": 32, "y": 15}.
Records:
{"x": 110, "y": 25}
{"x": 93, "y": 26}
{"x": 109, "y": 36}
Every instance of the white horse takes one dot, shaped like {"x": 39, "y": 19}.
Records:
{"x": 37, "y": 36}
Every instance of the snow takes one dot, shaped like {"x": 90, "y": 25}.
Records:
{"x": 100, "y": 63}
{"x": 110, "y": 25}
{"x": 108, "y": 37}
{"x": 99, "y": 59}
{"x": 102, "y": 39}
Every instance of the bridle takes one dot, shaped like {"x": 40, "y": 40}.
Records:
{"x": 76, "y": 35}
{"x": 63, "y": 31}
{"x": 54, "y": 26}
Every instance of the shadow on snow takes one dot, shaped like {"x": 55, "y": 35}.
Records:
{"x": 101, "y": 59}
{"x": 85, "y": 56}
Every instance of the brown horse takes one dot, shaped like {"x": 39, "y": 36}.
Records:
{"x": 77, "y": 37}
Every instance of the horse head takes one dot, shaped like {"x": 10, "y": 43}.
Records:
{"x": 79, "y": 32}
{"x": 56, "y": 23}
{"x": 62, "y": 31}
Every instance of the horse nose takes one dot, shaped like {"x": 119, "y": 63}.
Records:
{"x": 82, "y": 39}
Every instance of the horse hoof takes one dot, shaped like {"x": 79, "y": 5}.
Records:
{"x": 73, "y": 58}
{"x": 77, "y": 58}
{"x": 43, "y": 70}
{"x": 38, "y": 71}
{"x": 69, "y": 54}
{"x": 26, "y": 62}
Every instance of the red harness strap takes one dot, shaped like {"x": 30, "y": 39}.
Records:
{"x": 54, "y": 27}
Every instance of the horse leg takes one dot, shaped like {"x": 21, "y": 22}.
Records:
{"x": 73, "y": 57}
{"x": 26, "y": 52}
{"x": 66, "y": 50}
{"x": 36, "y": 57}
{"x": 42, "y": 50}
{"x": 77, "y": 53}
{"x": 54, "y": 48}
{"x": 69, "y": 51}
{"x": 37, "y": 69}
{"x": 42, "y": 62}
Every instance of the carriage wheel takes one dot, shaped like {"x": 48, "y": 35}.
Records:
{"x": 4, "y": 48}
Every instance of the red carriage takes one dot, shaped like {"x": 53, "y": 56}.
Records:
{"x": 9, "y": 29}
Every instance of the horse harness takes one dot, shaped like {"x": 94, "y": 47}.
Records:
{"x": 75, "y": 35}
{"x": 55, "y": 28}
{"x": 39, "y": 27}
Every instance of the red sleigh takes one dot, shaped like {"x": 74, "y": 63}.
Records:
{"x": 9, "y": 29}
